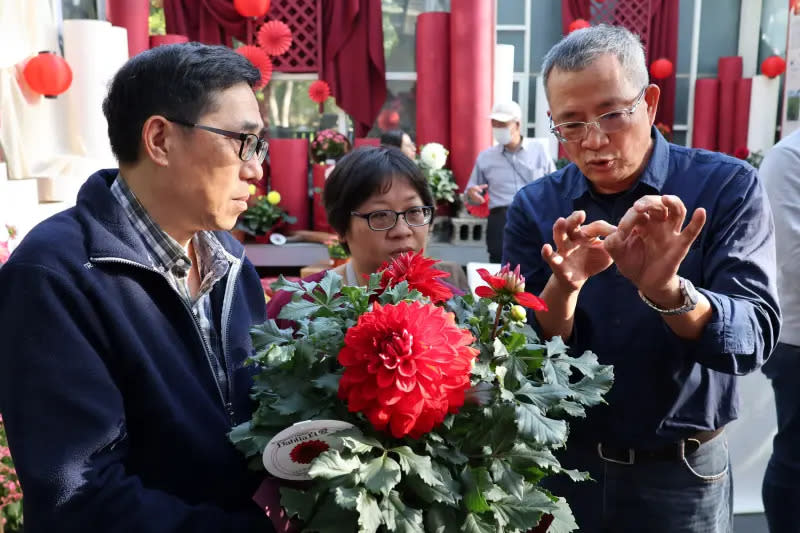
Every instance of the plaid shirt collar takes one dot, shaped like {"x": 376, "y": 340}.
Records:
{"x": 166, "y": 253}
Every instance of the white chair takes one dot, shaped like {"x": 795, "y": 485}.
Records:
{"x": 474, "y": 279}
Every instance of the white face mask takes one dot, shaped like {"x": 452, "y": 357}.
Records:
{"x": 502, "y": 135}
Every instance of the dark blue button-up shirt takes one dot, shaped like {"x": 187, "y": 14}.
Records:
{"x": 666, "y": 388}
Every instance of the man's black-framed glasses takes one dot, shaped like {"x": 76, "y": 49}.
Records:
{"x": 250, "y": 145}
{"x": 385, "y": 219}
{"x": 610, "y": 122}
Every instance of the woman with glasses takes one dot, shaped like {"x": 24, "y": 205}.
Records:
{"x": 380, "y": 206}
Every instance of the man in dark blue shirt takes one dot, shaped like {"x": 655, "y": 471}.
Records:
{"x": 616, "y": 244}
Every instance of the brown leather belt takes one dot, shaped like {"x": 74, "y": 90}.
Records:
{"x": 670, "y": 452}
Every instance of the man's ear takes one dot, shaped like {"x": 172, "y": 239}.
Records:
{"x": 156, "y": 139}
{"x": 651, "y": 96}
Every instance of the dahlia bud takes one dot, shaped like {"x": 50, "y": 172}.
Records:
{"x": 515, "y": 283}
{"x": 518, "y": 313}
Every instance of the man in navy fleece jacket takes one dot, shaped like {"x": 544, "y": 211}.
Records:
{"x": 125, "y": 319}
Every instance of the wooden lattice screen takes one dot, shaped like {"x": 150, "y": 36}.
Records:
{"x": 635, "y": 15}
{"x": 304, "y": 19}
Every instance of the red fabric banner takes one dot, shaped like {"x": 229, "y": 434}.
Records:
{"x": 320, "y": 218}
{"x": 729, "y": 71}
{"x": 706, "y": 112}
{"x": 741, "y": 119}
{"x": 366, "y": 141}
{"x": 433, "y": 74}
{"x": 471, "y": 68}
{"x": 289, "y": 176}
{"x": 132, "y": 15}
{"x": 170, "y": 38}
{"x": 206, "y": 21}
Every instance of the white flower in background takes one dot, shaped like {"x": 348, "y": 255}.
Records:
{"x": 433, "y": 155}
{"x": 4, "y": 235}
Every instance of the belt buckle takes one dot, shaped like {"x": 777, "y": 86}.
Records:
{"x": 631, "y": 456}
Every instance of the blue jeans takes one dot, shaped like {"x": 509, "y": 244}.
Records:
{"x": 691, "y": 493}
{"x": 781, "y": 488}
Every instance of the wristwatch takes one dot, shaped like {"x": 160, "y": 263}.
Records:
{"x": 690, "y": 298}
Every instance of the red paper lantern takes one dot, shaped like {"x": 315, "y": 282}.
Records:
{"x": 319, "y": 91}
{"x": 260, "y": 60}
{"x": 274, "y": 37}
{"x": 48, "y": 74}
{"x": 388, "y": 120}
{"x": 578, "y": 24}
{"x": 773, "y": 66}
{"x": 251, "y": 8}
{"x": 661, "y": 68}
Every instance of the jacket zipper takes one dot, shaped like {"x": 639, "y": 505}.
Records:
{"x": 227, "y": 303}
{"x": 206, "y": 349}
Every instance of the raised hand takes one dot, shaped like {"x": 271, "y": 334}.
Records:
{"x": 649, "y": 245}
{"x": 579, "y": 252}
{"x": 475, "y": 193}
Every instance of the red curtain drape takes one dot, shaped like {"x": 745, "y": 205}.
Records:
{"x": 207, "y": 21}
{"x": 352, "y": 58}
{"x": 663, "y": 42}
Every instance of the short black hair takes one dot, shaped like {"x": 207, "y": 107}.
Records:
{"x": 393, "y": 138}
{"x": 176, "y": 80}
{"x": 362, "y": 173}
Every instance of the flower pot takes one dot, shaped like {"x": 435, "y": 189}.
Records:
{"x": 338, "y": 261}
{"x": 444, "y": 209}
{"x": 320, "y": 218}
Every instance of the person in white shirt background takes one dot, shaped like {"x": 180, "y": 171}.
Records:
{"x": 504, "y": 169}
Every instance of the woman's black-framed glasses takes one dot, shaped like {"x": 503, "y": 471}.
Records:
{"x": 251, "y": 144}
{"x": 610, "y": 122}
{"x": 385, "y": 219}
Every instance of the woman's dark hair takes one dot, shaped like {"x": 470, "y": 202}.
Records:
{"x": 362, "y": 173}
{"x": 178, "y": 81}
{"x": 393, "y": 138}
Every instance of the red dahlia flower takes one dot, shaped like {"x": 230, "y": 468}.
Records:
{"x": 508, "y": 286}
{"x": 405, "y": 367}
{"x": 418, "y": 271}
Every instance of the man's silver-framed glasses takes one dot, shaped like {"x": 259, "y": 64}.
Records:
{"x": 385, "y": 219}
{"x": 610, "y": 122}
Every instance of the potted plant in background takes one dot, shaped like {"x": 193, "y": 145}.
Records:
{"x": 431, "y": 161}
{"x": 10, "y": 491}
{"x": 264, "y": 217}
{"x": 326, "y": 148}
{"x": 336, "y": 252}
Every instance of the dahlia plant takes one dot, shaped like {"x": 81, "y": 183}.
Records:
{"x": 453, "y": 405}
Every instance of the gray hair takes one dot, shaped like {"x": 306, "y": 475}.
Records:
{"x": 578, "y": 49}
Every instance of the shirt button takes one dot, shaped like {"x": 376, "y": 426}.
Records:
{"x": 180, "y": 263}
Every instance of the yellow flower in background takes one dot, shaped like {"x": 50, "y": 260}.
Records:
{"x": 274, "y": 197}
{"x": 251, "y": 189}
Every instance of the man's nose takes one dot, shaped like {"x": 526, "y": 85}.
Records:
{"x": 595, "y": 137}
{"x": 251, "y": 170}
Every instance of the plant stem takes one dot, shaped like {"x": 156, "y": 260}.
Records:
{"x": 497, "y": 320}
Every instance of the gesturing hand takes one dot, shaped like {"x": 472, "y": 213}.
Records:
{"x": 649, "y": 246}
{"x": 579, "y": 250}
{"x": 475, "y": 193}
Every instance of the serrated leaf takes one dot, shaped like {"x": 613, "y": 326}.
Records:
{"x": 500, "y": 350}
{"x": 428, "y": 493}
{"x": 475, "y": 523}
{"x": 277, "y": 355}
{"x": 269, "y": 333}
{"x": 545, "y": 396}
{"x": 524, "y": 454}
{"x": 297, "y": 503}
{"x": 420, "y": 465}
{"x": 441, "y": 519}
{"x": 590, "y": 391}
{"x": 356, "y": 442}
{"x": 369, "y": 514}
{"x": 380, "y": 475}
{"x": 563, "y": 520}
{"x": 298, "y": 309}
{"x": 475, "y": 482}
{"x": 512, "y": 513}
{"x": 442, "y": 451}
{"x": 346, "y": 497}
{"x": 289, "y": 405}
{"x": 555, "y": 374}
{"x": 572, "y": 408}
{"x": 399, "y": 517}
{"x": 330, "y": 518}
{"x": 283, "y": 284}
{"x": 532, "y": 424}
{"x": 576, "y": 475}
{"x": 327, "y": 382}
{"x": 331, "y": 284}
{"x": 502, "y": 431}
{"x": 249, "y": 440}
{"x": 586, "y": 363}
{"x": 555, "y": 347}
{"x": 511, "y": 482}
{"x": 331, "y": 464}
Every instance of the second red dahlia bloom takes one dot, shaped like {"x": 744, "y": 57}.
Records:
{"x": 508, "y": 286}
{"x": 418, "y": 271}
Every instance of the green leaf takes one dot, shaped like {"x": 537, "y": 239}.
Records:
{"x": 572, "y": 408}
{"x": 512, "y": 513}
{"x": 269, "y": 333}
{"x": 295, "y": 310}
{"x": 544, "y": 397}
{"x": 502, "y": 432}
{"x": 331, "y": 464}
{"x": 330, "y": 518}
{"x": 420, "y": 465}
{"x": 297, "y": 503}
{"x": 438, "y": 493}
{"x": 356, "y": 442}
{"x": 284, "y": 284}
{"x": 523, "y": 454}
{"x": 475, "y": 523}
{"x": 248, "y": 440}
{"x": 475, "y": 482}
{"x": 532, "y": 424}
{"x": 277, "y": 355}
{"x": 381, "y": 474}
{"x": 563, "y": 521}
{"x": 447, "y": 453}
{"x": 576, "y": 475}
{"x": 327, "y": 382}
{"x": 331, "y": 284}
{"x": 555, "y": 346}
{"x": 586, "y": 363}
{"x": 589, "y": 391}
{"x": 511, "y": 482}
{"x": 400, "y": 518}
{"x": 346, "y": 497}
{"x": 369, "y": 514}
{"x": 289, "y": 405}
{"x": 441, "y": 519}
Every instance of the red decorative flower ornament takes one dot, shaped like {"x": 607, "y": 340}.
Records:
{"x": 388, "y": 120}
{"x": 260, "y": 60}
{"x": 742, "y": 152}
{"x": 48, "y": 74}
{"x": 319, "y": 91}
{"x": 578, "y": 24}
{"x": 418, "y": 271}
{"x": 274, "y": 37}
{"x": 307, "y": 451}
{"x": 405, "y": 367}
{"x": 773, "y": 66}
{"x": 251, "y": 8}
{"x": 480, "y": 210}
{"x": 508, "y": 286}
{"x": 661, "y": 68}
